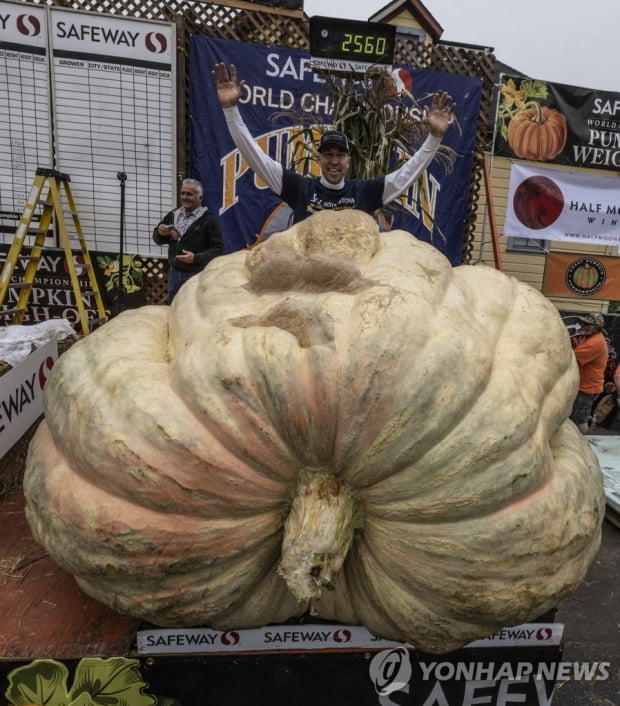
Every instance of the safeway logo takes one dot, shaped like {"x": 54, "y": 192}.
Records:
{"x": 403, "y": 80}
{"x": 544, "y": 634}
{"x": 44, "y": 370}
{"x": 230, "y": 638}
{"x": 342, "y": 636}
{"x": 29, "y": 25}
{"x": 156, "y": 42}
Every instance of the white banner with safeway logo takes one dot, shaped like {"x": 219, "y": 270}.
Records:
{"x": 21, "y": 394}
{"x": 318, "y": 637}
{"x": 549, "y": 204}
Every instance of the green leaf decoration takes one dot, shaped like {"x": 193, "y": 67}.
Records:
{"x": 97, "y": 682}
{"x": 84, "y": 699}
{"x": 42, "y": 682}
{"x": 109, "y": 682}
{"x": 539, "y": 89}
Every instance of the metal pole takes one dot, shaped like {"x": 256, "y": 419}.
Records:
{"x": 122, "y": 177}
{"x": 489, "y": 168}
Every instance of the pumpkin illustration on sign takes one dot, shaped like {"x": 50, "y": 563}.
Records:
{"x": 585, "y": 276}
{"x": 533, "y": 131}
{"x": 538, "y": 202}
{"x": 537, "y": 133}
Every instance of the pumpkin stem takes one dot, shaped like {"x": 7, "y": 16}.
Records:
{"x": 538, "y": 116}
{"x": 318, "y": 533}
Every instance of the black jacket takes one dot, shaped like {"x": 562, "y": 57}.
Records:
{"x": 203, "y": 238}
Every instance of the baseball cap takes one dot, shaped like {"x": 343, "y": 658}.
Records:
{"x": 334, "y": 139}
{"x": 594, "y": 319}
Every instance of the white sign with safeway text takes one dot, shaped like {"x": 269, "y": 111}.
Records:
{"x": 318, "y": 637}
{"x": 21, "y": 394}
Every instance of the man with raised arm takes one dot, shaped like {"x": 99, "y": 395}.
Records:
{"x": 332, "y": 190}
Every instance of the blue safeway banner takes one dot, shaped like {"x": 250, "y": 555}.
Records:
{"x": 280, "y": 82}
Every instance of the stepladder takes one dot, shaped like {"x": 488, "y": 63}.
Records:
{"x": 50, "y": 205}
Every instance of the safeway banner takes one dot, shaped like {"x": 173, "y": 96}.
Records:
{"x": 280, "y": 82}
{"x": 319, "y": 637}
{"x": 552, "y": 122}
{"x": 574, "y": 274}
{"x": 549, "y": 204}
{"x": 21, "y": 394}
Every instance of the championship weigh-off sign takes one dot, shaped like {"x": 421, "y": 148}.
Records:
{"x": 552, "y": 122}
{"x": 280, "y": 82}
{"x": 52, "y": 295}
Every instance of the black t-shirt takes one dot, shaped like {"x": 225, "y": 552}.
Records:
{"x": 306, "y": 195}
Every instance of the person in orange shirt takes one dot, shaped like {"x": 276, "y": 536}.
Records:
{"x": 592, "y": 353}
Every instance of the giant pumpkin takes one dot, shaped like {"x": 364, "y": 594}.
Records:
{"x": 336, "y": 421}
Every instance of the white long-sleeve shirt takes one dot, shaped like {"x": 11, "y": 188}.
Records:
{"x": 272, "y": 172}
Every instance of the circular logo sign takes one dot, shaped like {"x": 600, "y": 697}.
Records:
{"x": 544, "y": 634}
{"x": 231, "y": 637}
{"x": 390, "y": 670}
{"x": 156, "y": 42}
{"x": 585, "y": 276}
{"x": 44, "y": 370}
{"x": 342, "y": 636}
{"x": 404, "y": 80}
{"x": 28, "y": 25}
{"x": 538, "y": 202}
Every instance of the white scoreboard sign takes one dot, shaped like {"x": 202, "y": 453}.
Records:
{"x": 107, "y": 83}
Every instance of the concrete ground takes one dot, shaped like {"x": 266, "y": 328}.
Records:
{"x": 591, "y": 618}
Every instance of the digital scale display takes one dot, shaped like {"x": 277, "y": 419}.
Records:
{"x": 349, "y": 45}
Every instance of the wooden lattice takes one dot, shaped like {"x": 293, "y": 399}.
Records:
{"x": 250, "y": 22}
{"x": 155, "y": 280}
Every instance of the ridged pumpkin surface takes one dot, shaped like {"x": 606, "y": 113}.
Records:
{"x": 426, "y": 405}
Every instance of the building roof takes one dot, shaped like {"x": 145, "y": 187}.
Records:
{"x": 428, "y": 23}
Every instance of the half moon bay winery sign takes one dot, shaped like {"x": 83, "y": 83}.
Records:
{"x": 553, "y": 204}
